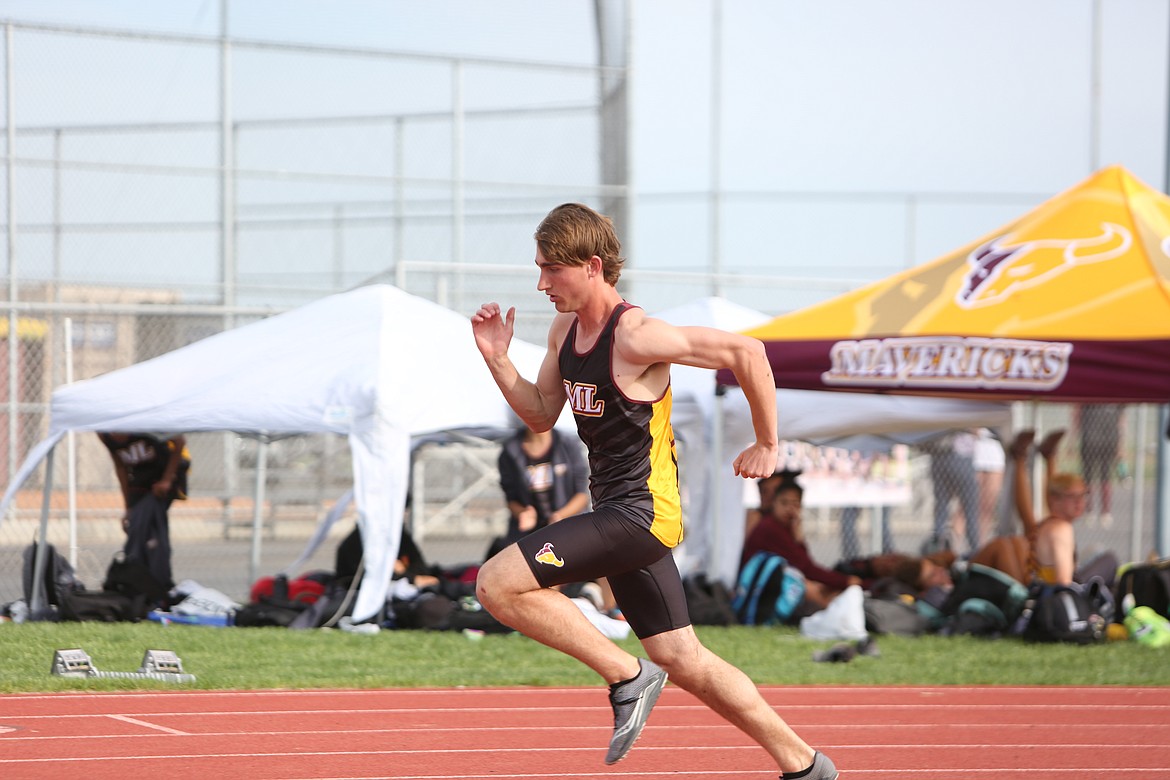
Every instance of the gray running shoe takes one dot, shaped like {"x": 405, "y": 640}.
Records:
{"x": 631, "y": 707}
{"x": 822, "y": 768}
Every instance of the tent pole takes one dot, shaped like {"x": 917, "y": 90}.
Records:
{"x": 71, "y": 450}
{"x": 1139, "y": 483}
{"x": 1162, "y": 460}
{"x": 715, "y": 505}
{"x": 258, "y": 507}
{"x": 35, "y": 607}
{"x": 1162, "y": 509}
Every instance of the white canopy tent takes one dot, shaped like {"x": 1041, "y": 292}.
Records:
{"x": 376, "y": 364}
{"x": 721, "y": 426}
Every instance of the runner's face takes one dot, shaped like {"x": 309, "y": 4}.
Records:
{"x": 565, "y": 285}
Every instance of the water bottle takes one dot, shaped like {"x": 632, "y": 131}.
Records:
{"x": 18, "y": 611}
{"x": 1147, "y": 627}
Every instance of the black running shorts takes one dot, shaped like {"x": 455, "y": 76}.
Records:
{"x": 607, "y": 543}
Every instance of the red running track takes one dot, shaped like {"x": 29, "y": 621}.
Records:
{"x": 1037, "y": 733}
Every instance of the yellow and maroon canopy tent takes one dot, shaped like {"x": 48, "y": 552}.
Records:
{"x": 1069, "y": 302}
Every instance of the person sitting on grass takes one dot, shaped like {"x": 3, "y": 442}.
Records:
{"x": 780, "y": 530}
{"x": 921, "y": 577}
{"x": 1047, "y": 549}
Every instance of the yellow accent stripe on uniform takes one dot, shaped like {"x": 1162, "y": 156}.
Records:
{"x": 663, "y": 483}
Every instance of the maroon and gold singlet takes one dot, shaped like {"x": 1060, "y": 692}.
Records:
{"x": 637, "y": 516}
{"x": 632, "y": 458}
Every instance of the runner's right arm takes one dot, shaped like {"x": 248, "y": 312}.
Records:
{"x": 538, "y": 403}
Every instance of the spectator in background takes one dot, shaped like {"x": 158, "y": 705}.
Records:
{"x": 410, "y": 565}
{"x": 929, "y": 578}
{"x": 152, "y": 473}
{"x": 544, "y": 478}
{"x": 850, "y": 547}
{"x": 767, "y": 487}
{"x": 919, "y": 573}
{"x": 868, "y": 468}
{"x": 1047, "y": 549}
{"x": 1100, "y": 426}
{"x": 781, "y": 531}
{"x": 989, "y": 461}
{"x": 149, "y": 464}
{"x": 952, "y": 473}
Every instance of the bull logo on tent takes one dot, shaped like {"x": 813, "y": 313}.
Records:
{"x": 1001, "y": 267}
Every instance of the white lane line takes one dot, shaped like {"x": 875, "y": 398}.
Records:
{"x": 144, "y": 724}
{"x": 591, "y": 708}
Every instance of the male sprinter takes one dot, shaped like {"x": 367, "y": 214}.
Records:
{"x": 613, "y": 364}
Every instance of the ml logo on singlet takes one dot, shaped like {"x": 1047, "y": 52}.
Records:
{"x": 583, "y": 399}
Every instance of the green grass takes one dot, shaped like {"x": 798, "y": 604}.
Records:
{"x": 257, "y": 658}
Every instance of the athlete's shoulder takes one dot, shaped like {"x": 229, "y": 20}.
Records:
{"x": 637, "y": 329}
{"x": 629, "y": 317}
{"x": 559, "y": 329}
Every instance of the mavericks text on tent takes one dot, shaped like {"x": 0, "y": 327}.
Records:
{"x": 952, "y": 361}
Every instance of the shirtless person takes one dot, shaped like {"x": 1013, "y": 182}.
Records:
{"x": 613, "y": 365}
{"x": 1047, "y": 549}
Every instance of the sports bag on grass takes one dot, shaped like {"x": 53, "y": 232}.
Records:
{"x": 1062, "y": 613}
{"x": 57, "y": 580}
{"x": 1148, "y": 583}
{"x": 768, "y": 590}
{"x": 709, "y": 603}
{"x": 258, "y": 614}
{"x": 102, "y": 606}
{"x": 133, "y": 578}
{"x": 984, "y": 602}
{"x": 894, "y": 616}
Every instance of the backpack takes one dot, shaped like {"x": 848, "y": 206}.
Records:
{"x": 1148, "y": 583}
{"x": 470, "y": 614}
{"x": 58, "y": 578}
{"x": 894, "y": 616}
{"x": 426, "y": 611}
{"x": 133, "y": 578}
{"x": 984, "y": 602}
{"x": 260, "y": 614}
{"x": 1063, "y": 613}
{"x": 709, "y": 603}
{"x": 277, "y": 601}
{"x": 768, "y": 591}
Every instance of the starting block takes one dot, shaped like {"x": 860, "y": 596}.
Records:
{"x": 161, "y": 665}
{"x": 73, "y": 663}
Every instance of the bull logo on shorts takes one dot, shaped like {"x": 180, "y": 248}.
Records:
{"x": 547, "y": 556}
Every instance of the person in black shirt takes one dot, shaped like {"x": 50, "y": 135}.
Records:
{"x": 151, "y": 464}
{"x": 152, "y": 473}
{"x": 544, "y": 479}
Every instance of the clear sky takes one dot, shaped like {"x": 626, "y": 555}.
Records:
{"x": 905, "y": 96}
{"x": 855, "y": 137}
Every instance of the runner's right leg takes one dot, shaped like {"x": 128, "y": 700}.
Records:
{"x": 509, "y": 591}
{"x": 730, "y": 693}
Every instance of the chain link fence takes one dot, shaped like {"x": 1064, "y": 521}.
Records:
{"x": 960, "y": 487}
{"x": 226, "y": 181}
{"x": 164, "y": 188}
